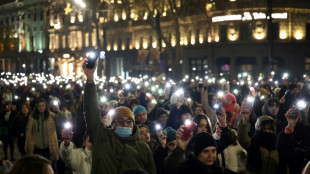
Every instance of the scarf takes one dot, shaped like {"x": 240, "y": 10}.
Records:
{"x": 52, "y": 137}
{"x": 264, "y": 139}
{"x": 230, "y": 107}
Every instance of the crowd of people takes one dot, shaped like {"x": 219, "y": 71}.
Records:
{"x": 154, "y": 125}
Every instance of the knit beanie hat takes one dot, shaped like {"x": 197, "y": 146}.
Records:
{"x": 184, "y": 110}
{"x": 201, "y": 141}
{"x": 171, "y": 134}
{"x": 231, "y": 97}
{"x": 292, "y": 86}
{"x": 137, "y": 109}
{"x": 160, "y": 111}
{"x": 122, "y": 111}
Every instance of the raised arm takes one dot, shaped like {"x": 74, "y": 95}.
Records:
{"x": 94, "y": 125}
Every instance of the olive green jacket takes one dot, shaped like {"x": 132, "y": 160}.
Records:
{"x": 112, "y": 154}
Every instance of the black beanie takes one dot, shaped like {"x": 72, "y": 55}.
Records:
{"x": 201, "y": 141}
{"x": 292, "y": 86}
{"x": 160, "y": 111}
{"x": 184, "y": 110}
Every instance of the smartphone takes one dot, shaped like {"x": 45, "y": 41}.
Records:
{"x": 218, "y": 109}
{"x": 248, "y": 103}
{"x": 300, "y": 105}
{"x": 91, "y": 60}
{"x": 189, "y": 126}
{"x": 68, "y": 129}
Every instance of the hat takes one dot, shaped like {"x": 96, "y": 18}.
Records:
{"x": 137, "y": 109}
{"x": 171, "y": 134}
{"x": 292, "y": 86}
{"x": 201, "y": 141}
{"x": 122, "y": 111}
{"x": 260, "y": 120}
{"x": 184, "y": 110}
{"x": 231, "y": 97}
{"x": 264, "y": 91}
{"x": 160, "y": 111}
{"x": 272, "y": 101}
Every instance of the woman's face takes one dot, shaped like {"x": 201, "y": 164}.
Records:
{"x": 145, "y": 135}
{"x": 41, "y": 107}
{"x": 25, "y": 110}
{"x": 202, "y": 126}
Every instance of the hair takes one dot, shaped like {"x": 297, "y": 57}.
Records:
{"x": 28, "y": 106}
{"x": 199, "y": 117}
{"x": 133, "y": 101}
{"x": 306, "y": 169}
{"x": 143, "y": 125}
{"x": 20, "y": 116}
{"x": 271, "y": 123}
{"x": 33, "y": 164}
{"x": 85, "y": 136}
{"x": 36, "y": 112}
{"x": 203, "y": 110}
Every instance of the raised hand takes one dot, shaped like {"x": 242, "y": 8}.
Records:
{"x": 89, "y": 72}
{"x": 245, "y": 113}
{"x": 66, "y": 136}
{"x": 180, "y": 141}
{"x": 222, "y": 118}
{"x": 292, "y": 121}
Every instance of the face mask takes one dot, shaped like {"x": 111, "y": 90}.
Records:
{"x": 123, "y": 131}
{"x": 161, "y": 101}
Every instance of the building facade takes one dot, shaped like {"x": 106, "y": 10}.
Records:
{"x": 23, "y": 36}
{"x": 206, "y": 37}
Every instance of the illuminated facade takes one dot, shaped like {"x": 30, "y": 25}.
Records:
{"x": 23, "y": 36}
{"x": 214, "y": 37}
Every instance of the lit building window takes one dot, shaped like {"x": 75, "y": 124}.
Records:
{"x": 80, "y": 17}
{"x": 145, "y": 45}
{"x": 115, "y": 47}
{"x": 298, "y": 35}
{"x": 56, "y": 41}
{"x": 72, "y": 18}
{"x": 137, "y": 45}
{"x": 283, "y": 35}
{"x": 145, "y": 16}
{"x": 79, "y": 39}
{"x": 163, "y": 44}
{"x": 154, "y": 44}
{"x": 193, "y": 41}
{"x": 94, "y": 38}
{"x": 86, "y": 40}
{"x": 115, "y": 17}
{"x": 64, "y": 41}
{"x": 109, "y": 47}
{"x": 124, "y": 15}
{"x": 217, "y": 38}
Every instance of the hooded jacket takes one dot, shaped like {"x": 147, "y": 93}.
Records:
{"x": 111, "y": 153}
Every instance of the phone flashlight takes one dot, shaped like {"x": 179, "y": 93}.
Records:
{"x": 91, "y": 59}
{"x": 220, "y": 94}
{"x": 300, "y": 105}
{"x": 68, "y": 129}
{"x": 218, "y": 109}
{"x": 189, "y": 126}
{"x": 55, "y": 102}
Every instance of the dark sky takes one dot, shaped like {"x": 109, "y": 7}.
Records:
{"x": 5, "y": 1}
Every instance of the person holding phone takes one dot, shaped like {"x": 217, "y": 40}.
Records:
{"x": 115, "y": 149}
{"x": 185, "y": 147}
{"x": 79, "y": 160}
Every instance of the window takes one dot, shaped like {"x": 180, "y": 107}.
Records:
{"x": 223, "y": 33}
{"x": 198, "y": 67}
{"x": 307, "y": 64}
{"x": 308, "y": 31}
{"x": 79, "y": 39}
{"x": 64, "y": 41}
{"x": 86, "y": 39}
{"x": 94, "y": 38}
{"x": 246, "y": 68}
{"x": 245, "y": 31}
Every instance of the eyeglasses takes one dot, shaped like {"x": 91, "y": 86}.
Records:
{"x": 122, "y": 121}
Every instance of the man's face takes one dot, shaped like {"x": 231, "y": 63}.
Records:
{"x": 141, "y": 117}
{"x": 163, "y": 119}
{"x": 273, "y": 108}
{"x": 207, "y": 156}
{"x": 88, "y": 144}
{"x": 145, "y": 135}
{"x": 295, "y": 91}
{"x": 123, "y": 122}
{"x": 41, "y": 107}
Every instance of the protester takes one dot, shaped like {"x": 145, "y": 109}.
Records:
{"x": 79, "y": 160}
{"x": 41, "y": 136}
{"x": 19, "y": 127}
{"x": 146, "y": 137}
{"x": 117, "y": 149}
{"x": 140, "y": 114}
{"x": 7, "y": 118}
{"x": 33, "y": 164}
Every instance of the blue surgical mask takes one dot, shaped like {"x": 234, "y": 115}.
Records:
{"x": 123, "y": 131}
